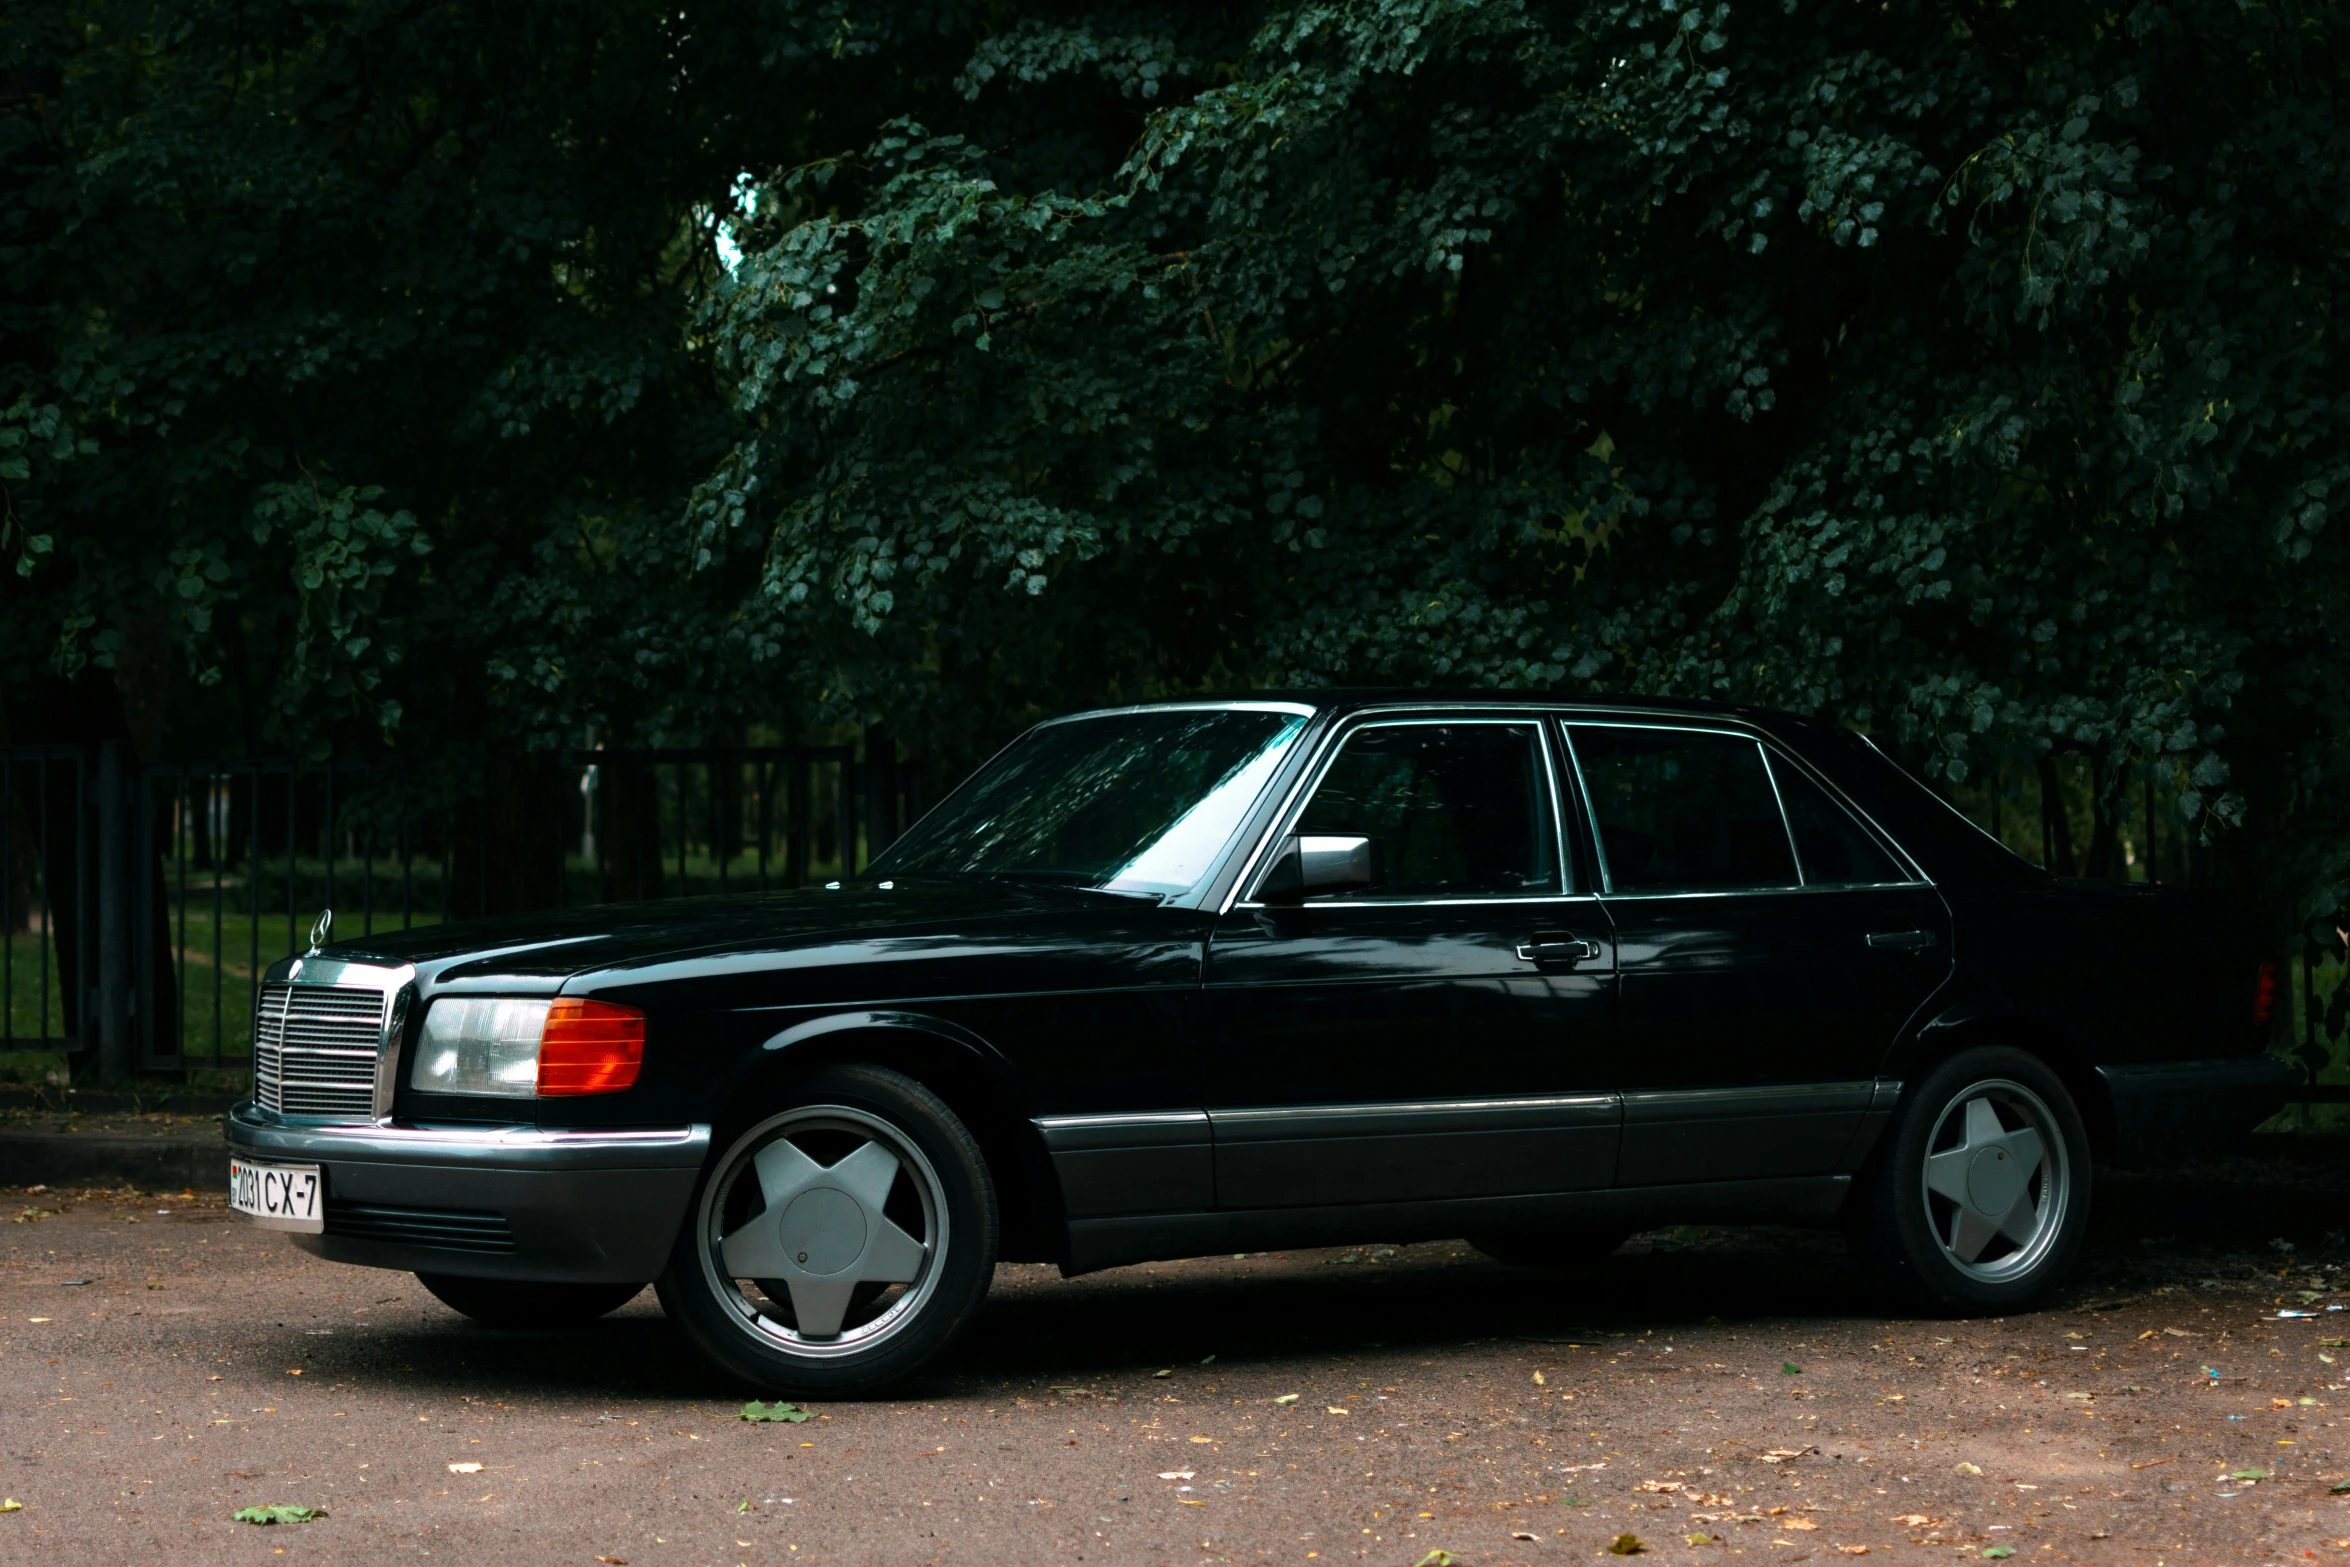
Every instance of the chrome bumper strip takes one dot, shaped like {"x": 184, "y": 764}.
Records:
{"x": 502, "y": 1147}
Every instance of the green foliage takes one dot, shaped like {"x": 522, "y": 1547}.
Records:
{"x": 1968, "y": 372}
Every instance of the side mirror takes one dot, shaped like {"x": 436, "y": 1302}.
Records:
{"x": 1311, "y": 867}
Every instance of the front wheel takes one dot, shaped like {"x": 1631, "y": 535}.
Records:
{"x": 1982, "y": 1197}
{"x": 839, "y": 1243}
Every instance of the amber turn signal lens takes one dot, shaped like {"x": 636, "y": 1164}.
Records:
{"x": 590, "y": 1047}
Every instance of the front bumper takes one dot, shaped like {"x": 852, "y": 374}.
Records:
{"x": 2185, "y": 1107}
{"x": 545, "y": 1204}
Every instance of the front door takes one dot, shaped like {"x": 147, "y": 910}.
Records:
{"x": 1765, "y": 972}
{"x": 1437, "y": 1034}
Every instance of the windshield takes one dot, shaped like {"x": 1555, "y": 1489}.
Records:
{"x": 1126, "y": 802}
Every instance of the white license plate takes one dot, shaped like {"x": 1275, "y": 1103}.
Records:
{"x": 281, "y": 1196}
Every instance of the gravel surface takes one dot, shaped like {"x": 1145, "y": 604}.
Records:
{"x": 1716, "y": 1394}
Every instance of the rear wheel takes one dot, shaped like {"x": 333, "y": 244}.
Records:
{"x": 839, "y": 1243}
{"x": 1562, "y": 1248}
{"x": 1981, "y": 1198}
{"x": 515, "y": 1303}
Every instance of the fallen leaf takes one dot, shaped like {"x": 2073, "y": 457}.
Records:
{"x": 1437, "y": 1559}
{"x": 1918, "y": 1521}
{"x": 1779, "y": 1455}
{"x": 11, "y": 1505}
{"x": 613, "y": 1561}
{"x": 1538, "y": 1382}
{"x": 1520, "y": 1534}
{"x": 1800, "y": 1523}
{"x": 1204, "y": 1439}
{"x": 791, "y": 1414}
{"x": 1854, "y": 1550}
{"x": 1170, "y": 1371}
{"x": 465, "y": 1469}
{"x": 1626, "y": 1545}
{"x": 2338, "y": 1487}
{"x": 1790, "y": 1369}
{"x": 2249, "y": 1474}
{"x": 2181, "y": 1333}
{"x": 275, "y": 1515}
{"x": 1332, "y": 1409}
{"x": 1176, "y": 1474}
{"x": 1966, "y": 1469}
{"x": 1692, "y": 1539}
{"x": 1658, "y": 1485}
{"x": 1287, "y": 1398}
{"x": 1992, "y": 1553}
{"x": 743, "y": 1506}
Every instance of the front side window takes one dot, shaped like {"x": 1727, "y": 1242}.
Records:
{"x": 1683, "y": 811}
{"x": 1140, "y": 802}
{"x": 1452, "y": 810}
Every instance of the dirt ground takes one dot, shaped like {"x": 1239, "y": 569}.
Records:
{"x": 1715, "y": 1394}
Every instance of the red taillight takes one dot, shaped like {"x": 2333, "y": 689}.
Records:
{"x": 590, "y": 1047}
{"x": 2264, "y": 1000}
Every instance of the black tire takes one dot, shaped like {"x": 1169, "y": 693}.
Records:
{"x": 938, "y": 1196}
{"x": 1564, "y": 1248}
{"x": 1915, "y": 1233}
{"x": 516, "y": 1303}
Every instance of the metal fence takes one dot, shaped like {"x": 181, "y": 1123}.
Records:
{"x": 142, "y": 905}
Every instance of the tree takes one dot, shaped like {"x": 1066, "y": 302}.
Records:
{"x": 1968, "y": 372}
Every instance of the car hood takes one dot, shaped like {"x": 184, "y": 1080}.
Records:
{"x": 558, "y": 944}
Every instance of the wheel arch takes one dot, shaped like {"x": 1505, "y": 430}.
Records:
{"x": 1966, "y": 1027}
{"x": 970, "y": 1074}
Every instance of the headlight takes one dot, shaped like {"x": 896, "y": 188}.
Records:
{"x": 512, "y": 1048}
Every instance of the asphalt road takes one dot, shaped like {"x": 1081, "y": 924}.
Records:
{"x": 167, "y": 1368}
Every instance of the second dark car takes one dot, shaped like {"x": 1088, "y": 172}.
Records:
{"x": 1205, "y": 977}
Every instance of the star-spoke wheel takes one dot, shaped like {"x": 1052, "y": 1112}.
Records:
{"x": 825, "y": 1230}
{"x": 1996, "y": 1180}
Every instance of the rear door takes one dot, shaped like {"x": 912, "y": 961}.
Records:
{"x": 1442, "y": 1033}
{"x": 1765, "y": 970}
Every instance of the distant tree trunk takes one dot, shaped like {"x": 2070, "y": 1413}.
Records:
{"x": 2058, "y": 827}
{"x": 628, "y": 832}
{"x": 509, "y": 851}
{"x": 2105, "y": 846}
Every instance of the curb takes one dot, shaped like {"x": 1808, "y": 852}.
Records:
{"x": 148, "y": 1163}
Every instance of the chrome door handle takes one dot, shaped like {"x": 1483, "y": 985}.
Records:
{"x": 1546, "y": 947}
{"x": 1902, "y": 940}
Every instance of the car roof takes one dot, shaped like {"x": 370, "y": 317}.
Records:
{"x": 1343, "y": 699}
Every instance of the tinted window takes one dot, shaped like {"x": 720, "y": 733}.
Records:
{"x": 1834, "y": 849}
{"x": 1683, "y": 812}
{"x": 1453, "y": 810}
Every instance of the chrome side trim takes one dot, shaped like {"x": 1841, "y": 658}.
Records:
{"x": 1142, "y": 1129}
{"x": 1707, "y": 1104}
{"x": 1283, "y": 1123}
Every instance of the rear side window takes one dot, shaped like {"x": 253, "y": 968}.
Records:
{"x": 1834, "y": 849}
{"x": 1683, "y": 811}
{"x": 1452, "y": 810}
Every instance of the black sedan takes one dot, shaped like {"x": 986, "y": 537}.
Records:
{"x": 1219, "y": 976}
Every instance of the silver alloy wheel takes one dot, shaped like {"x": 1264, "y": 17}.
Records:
{"x": 1998, "y": 1180}
{"x": 817, "y": 1231}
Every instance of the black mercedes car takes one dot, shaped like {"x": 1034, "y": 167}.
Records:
{"x": 1204, "y": 977}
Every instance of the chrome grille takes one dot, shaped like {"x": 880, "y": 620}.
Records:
{"x": 315, "y": 1047}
